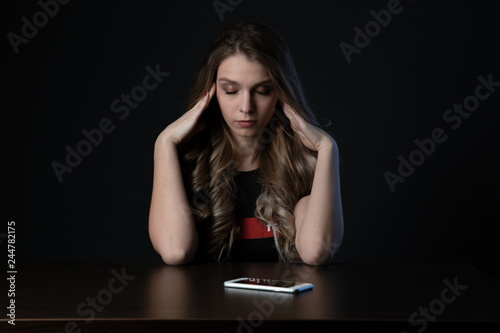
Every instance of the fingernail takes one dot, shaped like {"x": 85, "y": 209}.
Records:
{"x": 206, "y": 92}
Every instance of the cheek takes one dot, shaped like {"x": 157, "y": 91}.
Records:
{"x": 267, "y": 108}
{"x": 225, "y": 107}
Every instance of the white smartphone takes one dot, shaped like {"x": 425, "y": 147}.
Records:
{"x": 268, "y": 285}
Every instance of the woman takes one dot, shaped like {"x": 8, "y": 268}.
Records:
{"x": 248, "y": 175}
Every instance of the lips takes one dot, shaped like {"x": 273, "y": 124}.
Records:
{"x": 246, "y": 123}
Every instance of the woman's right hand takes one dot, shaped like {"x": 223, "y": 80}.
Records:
{"x": 189, "y": 124}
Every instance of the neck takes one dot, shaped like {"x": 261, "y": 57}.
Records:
{"x": 245, "y": 153}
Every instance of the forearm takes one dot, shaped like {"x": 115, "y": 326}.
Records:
{"x": 171, "y": 223}
{"x": 322, "y": 226}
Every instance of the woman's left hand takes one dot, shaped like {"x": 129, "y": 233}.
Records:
{"x": 312, "y": 137}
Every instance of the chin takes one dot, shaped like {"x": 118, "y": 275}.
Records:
{"x": 246, "y": 132}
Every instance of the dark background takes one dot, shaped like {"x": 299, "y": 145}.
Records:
{"x": 393, "y": 92}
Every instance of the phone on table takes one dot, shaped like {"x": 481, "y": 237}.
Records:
{"x": 268, "y": 285}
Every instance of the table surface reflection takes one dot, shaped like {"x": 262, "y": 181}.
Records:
{"x": 96, "y": 297}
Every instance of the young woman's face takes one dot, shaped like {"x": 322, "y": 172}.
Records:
{"x": 245, "y": 94}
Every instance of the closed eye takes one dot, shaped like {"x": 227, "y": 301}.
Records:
{"x": 264, "y": 93}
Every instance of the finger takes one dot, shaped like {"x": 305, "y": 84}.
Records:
{"x": 295, "y": 125}
{"x": 285, "y": 108}
{"x": 289, "y": 115}
{"x": 294, "y": 121}
{"x": 212, "y": 89}
{"x": 203, "y": 103}
{"x": 289, "y": 109}
{"x": 208, "y": 98}
{"x": 209, "y": 94}
{"x": 287, "y": 112}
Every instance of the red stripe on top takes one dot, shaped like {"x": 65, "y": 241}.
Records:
{"x": 251, "y": 228}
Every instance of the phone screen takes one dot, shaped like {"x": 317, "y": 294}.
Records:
{"x": 267, "y": 282}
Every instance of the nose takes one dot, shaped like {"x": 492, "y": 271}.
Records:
{"x": 246, "y": 102}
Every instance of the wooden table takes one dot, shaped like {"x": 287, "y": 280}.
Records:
{"x": 147, "y": 297}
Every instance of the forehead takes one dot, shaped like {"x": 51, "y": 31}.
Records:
{"x": 240, "y": 69}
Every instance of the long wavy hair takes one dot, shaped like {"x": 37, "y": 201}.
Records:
{"x": 286, "y": 166}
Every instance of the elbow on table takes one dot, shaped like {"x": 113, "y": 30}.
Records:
{"x": 317, "y": 255}
{"x": 316, "y": 259}
{"x": 175, "y": 255}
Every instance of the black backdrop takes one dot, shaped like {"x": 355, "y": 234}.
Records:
{"x": 65, "y": 78}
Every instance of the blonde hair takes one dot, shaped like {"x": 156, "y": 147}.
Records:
{"x": 286, "y": 166}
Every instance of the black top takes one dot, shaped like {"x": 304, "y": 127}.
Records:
{"x": 255, "y": 241}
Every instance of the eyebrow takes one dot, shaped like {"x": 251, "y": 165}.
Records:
{"x": 236, "y": 83}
